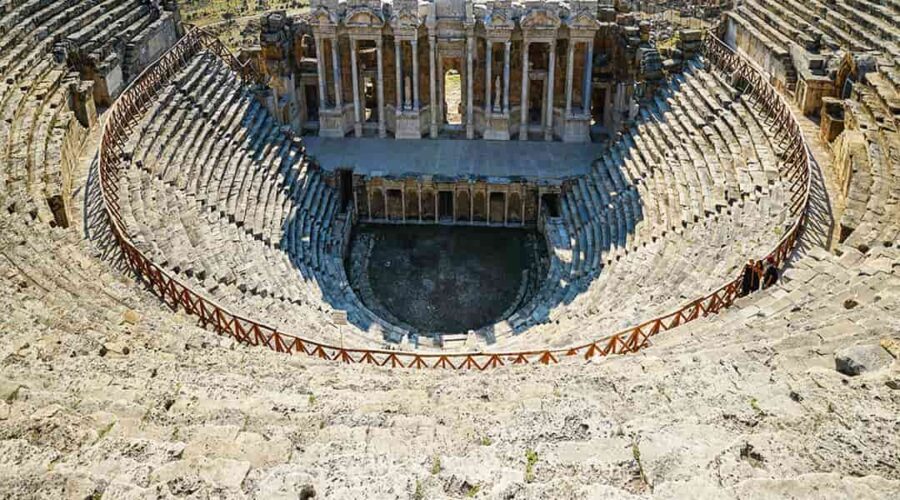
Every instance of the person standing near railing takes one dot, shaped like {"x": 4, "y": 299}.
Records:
{"x": 751, "y": 277}
{"x": 770, "y": 274}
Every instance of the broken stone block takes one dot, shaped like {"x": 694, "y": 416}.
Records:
{"x": 892, "y": 346}
{"x": 859, "y": 359}
{"x": 131, "y": 317}
{"x": 9, "y": 390}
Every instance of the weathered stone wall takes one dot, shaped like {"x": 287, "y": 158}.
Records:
{"x": 151, "y": 44}
{"x": 772, "y": 59}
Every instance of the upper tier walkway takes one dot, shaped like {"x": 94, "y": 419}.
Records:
{"x": 539, "y": 161}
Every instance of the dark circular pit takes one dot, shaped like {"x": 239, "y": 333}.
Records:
{"x": 446, "y": 279}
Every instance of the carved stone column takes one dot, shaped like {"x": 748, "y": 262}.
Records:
{"x": 357, "y": 115}
{"x": 570, "y": 58}
{"x": 415, "y": 69}
{"x": 506, "y": 76}
{"x": 551, "y": 71}
{"x": 487, "y": 76}
{"x": 320, "y": 69}
{"x": 336, "y": 70}
{"x": 382, "y": 131}
{"x": 523, "y": 126}
{"x": 588, "y": 62}
{"x": 398, "y": 66}
{"x": 432, "y": 48}
{"x": 470, "y": 115}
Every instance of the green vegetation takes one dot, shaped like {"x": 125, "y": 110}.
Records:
{"x": 203, "y": 12}
{"x": 755, "y": 405}
{"x": 435, "y": 465}
{"x": 531, "y": 458}
{"x": 636, "y": 453}
{"x": 235, "y": 22}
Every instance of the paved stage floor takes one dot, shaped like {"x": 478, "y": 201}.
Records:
{"x": 455, "y": 157}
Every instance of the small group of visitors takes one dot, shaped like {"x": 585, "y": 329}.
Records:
{"x": 758, "y": 275}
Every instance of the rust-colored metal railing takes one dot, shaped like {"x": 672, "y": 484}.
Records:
{"x": 137, "y": 97}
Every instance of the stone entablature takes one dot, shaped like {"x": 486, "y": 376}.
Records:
{"x": 525, "y": 69}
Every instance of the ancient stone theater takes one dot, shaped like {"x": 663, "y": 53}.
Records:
{"x": 450, "y": 249}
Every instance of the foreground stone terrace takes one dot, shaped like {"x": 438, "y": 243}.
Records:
{"x": 747, "y": 404}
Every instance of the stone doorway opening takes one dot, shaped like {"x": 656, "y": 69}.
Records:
{"x": 312, "y": 102}
{"x": 550, "y": 203}
{"x": 598, "y": 106}
{"x": 453, "y": 97}
{"x": 445, "y": 205}
{"x": 536, "y": 102}
{"x": 345, "y": 181}
{"x": 370, "y": 113}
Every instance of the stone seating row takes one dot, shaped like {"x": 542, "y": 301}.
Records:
{"x": 287, "y": 286}
{"x": 38, "y": 130}
{"x": 873, "y": 199}
{"x": 860, "y": 25}
{"x": 207, "y": 138}
{"x": 658, "y": 277}
{"x": 628, "y": 202}
{"x": 665, "y": 191}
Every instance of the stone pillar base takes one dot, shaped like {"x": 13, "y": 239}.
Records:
{"x": 576, "y": 129}
{"x": 408, "y": 125}
{"x": 497, "y": 127}
{"x": 331, "y": 123}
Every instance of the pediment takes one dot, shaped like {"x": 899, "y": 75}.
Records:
{"x": 405, "y": 18}
{"x": 498, "y": 19}
{"x": 322, "y": 16}
{"x": 541, "y": 19}
{"x": 363, "y": 17}
{"x": 582, "y": 21}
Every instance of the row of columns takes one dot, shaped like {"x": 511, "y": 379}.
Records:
{"x": 414, "y": 104}
{"x": 551, "y": 79}
{"x": 357, "y": 107}
{"x": 323, "y": 73}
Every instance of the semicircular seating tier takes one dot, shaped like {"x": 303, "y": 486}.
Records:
{"x": 219, "y": 193}
{"x": 61, "y": 60}
{"x": 839, "y": 62}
